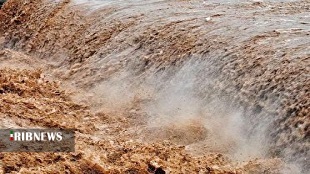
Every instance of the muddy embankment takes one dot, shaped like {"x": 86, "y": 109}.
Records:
{"x": 213, "y": 77}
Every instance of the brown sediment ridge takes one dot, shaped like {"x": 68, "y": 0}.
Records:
{"x": 252, "y": 55}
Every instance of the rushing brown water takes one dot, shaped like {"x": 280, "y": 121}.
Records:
{"x": 224, "y": 77}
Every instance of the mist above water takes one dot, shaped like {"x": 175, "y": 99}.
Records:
{"x": 175, "y": 105}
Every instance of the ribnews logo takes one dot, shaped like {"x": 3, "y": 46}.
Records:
{"x": 35, "y": 136}
{"x": 37, "y": 140}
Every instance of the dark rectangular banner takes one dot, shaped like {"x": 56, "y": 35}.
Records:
{"x": 37, "y": 140}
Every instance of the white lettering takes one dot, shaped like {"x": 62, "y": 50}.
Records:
{"x": 28, "y": 136}
{"x": 59, "y": 136}
{"x": 43, "y": 135}
{"x": 51, "y": 136}
{"x": 36, "y": 136}
{"x": 17, "y": 136}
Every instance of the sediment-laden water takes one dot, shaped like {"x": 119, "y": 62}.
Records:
{"x": 215, "y": 77}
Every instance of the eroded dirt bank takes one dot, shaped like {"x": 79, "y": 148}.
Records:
{"x": 191, "y": 86}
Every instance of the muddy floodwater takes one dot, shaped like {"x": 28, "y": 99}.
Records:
{"x": 159, "y": 86}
